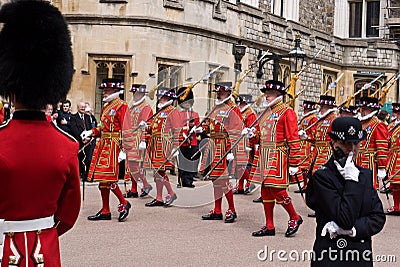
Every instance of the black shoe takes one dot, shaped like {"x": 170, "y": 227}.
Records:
{"x": 212, "y": 216}
{"x": 249, "y": 189}
{"x": 146, "y": 190}
{"x": 293, "y": 226}
{"x": 302, "y": 190}
{"x": 264, "y": 232}
{"x": 130, "y": 194}
{"x": 154, "y": 203}
{"x": 189, "y": 185}
{"x": 230, "y": 216}
{"x": 312, "y": 215}
{"x": 172, "y": 172}
{"x": 123, "y": 211}
{"x": 238, "y": 192}
{"x": 169, "y": 199}
{"x": 392, "y": 212}
{"x": 100, "y": 217}
{"x": 178, "y": 186}
{"x": 258, "y": 200}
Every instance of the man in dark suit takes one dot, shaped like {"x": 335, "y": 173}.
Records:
{"x": 347, "y": 207}
{"x": 79, "y": 122}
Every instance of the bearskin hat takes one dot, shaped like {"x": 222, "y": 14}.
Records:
{"x": 36, "y": 63}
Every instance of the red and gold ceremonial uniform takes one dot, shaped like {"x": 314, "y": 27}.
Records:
{"x": 164, "y": 132}
{"x": 37, "y": 181}
{"x": 249, "y": 116}
{"x": 307, "y": 148}
{"x": 393, "y": 166}
{"x": 104, "y": 165}
{"x": 279, "y": 146}
{"x": 224, "y": 126}
{"x": 373, "y": 152}
{"x": 132, "y": 136}
{"x": 321, "y": 139}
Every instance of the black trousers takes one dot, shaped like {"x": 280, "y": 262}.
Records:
{"x": 187, "y": 167}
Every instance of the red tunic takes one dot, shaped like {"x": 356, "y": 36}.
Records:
{"x": 306, "y": 146}
{"x": 224, "y": 125}
{"x": 394, "y": 154}
{"x": 321, "y": 139}
{"x": 131, "y": 139}
{"x": 39, "y": 177}
{"x": 185, "y": 117}
{"x": 279, "y": 146}
{"x": 373, "y": 152}
{"x": 104, "y": 165}
{"x": 249, "y": 116}
{"x": 164, "y": 132}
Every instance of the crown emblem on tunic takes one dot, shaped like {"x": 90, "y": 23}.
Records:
{"x": 351, "y": 130}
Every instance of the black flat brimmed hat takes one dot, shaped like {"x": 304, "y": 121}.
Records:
{"x": 327, "y": 100}
{"x": 347, "y": 129}
{"x": 141, "y": 88}
{"x": 369, "y": 102}
{"x": 395, "y": 107}
{"x": 274, "y": 85}
{"x": 111, "y": 83}
{"x": 223, "y": 86}
{"x": 165, "y": 91}
{"x": 309, "y": 104}
{"x": 244, "y": 98}
{"x": 351, "y": 109}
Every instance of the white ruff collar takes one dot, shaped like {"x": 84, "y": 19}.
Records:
{"x": 370, "y": 115}
{"x": 309, "y": 113}
{"x": 169, "y": 102}
{"x": 219, "y": 102}
{"x": 133, "y": 104}
{"x": 276, "y": 100}
{"x": 113, "y": 96}
{"x": 244, "y": 108}
{"x": 327, "y": 112}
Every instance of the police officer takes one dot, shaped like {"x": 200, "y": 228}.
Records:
{"x": 348, "y": 209}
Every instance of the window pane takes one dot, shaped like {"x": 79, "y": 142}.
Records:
{"x": 372, "y": 18}
{"x": 355, "y": 19}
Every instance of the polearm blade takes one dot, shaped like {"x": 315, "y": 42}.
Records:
{"x": 333, "y": 84}
{"x": 185, "y": 93}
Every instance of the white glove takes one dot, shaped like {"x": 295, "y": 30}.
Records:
{"x": 86, "y": 134}
{"x": 303, "y": 135}
{"x": 350, "y": 171}
{"x": 193, "y": 130}
{"x": 175, "y": 153}
{"x": 143, "y": 125}
{"x": 293, "y": 170}
{"x": 142, "y": 145}
{"x": 198, "y": 129}
{"x": 248, "y": 149}
{"x": 249, "y": 133}
{"x": 381, "y": 174}
{"x": 121, "y": 156}
{"x": 230, "y": 157}
{"x": 334, "y": 230}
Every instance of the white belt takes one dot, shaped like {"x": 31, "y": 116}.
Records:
{"x": 23, "y": 226}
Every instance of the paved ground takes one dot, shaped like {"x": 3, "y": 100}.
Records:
{"x": 176, "y": 236}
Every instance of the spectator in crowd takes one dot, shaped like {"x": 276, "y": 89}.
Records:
{"x": 64, "y": 117}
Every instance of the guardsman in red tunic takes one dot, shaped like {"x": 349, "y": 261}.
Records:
{"x": 224, "y": 126}
{"x": 279, "y": 147}
{"x": 351, "y": 111}
{"x": 393, "y": 167}
{"x": 39, "y": 192}
{"x": 374, "y": 149}
{"x": 164, "y": 131}
{"x": 320, "y": 137}
{"x": 135, "y": 139}
{"x": 187, "y": 167}
{"x": 306, "y": 146}
{"x": 243, "y": 171}
{"x": 108, "y": 152}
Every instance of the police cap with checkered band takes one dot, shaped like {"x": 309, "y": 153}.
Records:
{"x": 348, "y": 129}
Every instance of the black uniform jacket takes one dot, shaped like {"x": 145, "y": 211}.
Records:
{"x": 349, "y": 204}
{"x": 78, "y": 126}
